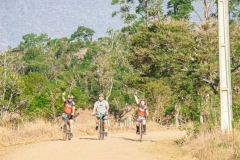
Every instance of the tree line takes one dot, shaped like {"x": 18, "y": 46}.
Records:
{"x": 171, "y": 62}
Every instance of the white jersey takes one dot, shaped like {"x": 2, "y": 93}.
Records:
{"x": 101, "y": 106}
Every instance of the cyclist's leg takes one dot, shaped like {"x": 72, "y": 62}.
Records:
{"x": 144, "y": 125}
{"x": 137, "y": 126}
{"x": 97, "y": 119}
{"x": 63, "y": 121}
{"x": 62, "y": 124}
{"x": 105, "y": 119}
{"x": 71, "y": 125}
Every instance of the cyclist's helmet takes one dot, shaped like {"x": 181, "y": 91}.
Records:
{"x": 70, "y": 96}
{"x": 101, "y": 95}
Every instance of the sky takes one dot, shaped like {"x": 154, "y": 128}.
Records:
{"x": 57, "y": 18}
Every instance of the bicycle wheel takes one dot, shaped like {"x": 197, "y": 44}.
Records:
{"x": 68, "y": 130}
{"x": 140, "y": 131}
{"x": 64, "y": 131}
{"x": 99, "y": 128}
{"x": 102, "y": 133}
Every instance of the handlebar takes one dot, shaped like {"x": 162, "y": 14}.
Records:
{"x": 96, "y": 114}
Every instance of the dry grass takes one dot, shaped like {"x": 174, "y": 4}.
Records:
{"x": 215, "y": 146}
{"x": 28, "y": 132}
{"x": 40, "y": 130}
{"x": 167, "y": 150}
{"x": 202, "y": 146}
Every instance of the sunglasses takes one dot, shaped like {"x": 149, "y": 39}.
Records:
{"x": 70, "y": 98}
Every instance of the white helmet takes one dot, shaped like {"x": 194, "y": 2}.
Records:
{"x": 70, "y": 96}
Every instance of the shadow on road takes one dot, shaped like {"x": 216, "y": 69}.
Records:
{"x": 134, "y": 140}
{"x": 60, "y": 139}
{"x": 89, "y": 138}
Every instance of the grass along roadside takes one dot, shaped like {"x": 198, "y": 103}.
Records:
{"x": 215, "y": 146}
{"x": 40, "y": 130}
{"x": 203, "y": 146}
{"x": 168, "y": 150}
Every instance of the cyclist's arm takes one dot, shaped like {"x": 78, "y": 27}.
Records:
{"x": 147, "y": 113}
{"x": 73, "y": 110}
{"x": 94, "y": 109}
{"x": 107, "y": 108}
{"x": 136, "y": 98}
{"x": 63, "y": 98}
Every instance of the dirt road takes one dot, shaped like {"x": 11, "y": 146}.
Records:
{"x": 115, "y": 147}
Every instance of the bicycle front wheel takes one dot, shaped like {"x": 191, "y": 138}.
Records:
{"x": 64, "y": 132}
{"x": 99, "y": 129}
{"x": 68, "y": 131}
{"x": 140, "y": 131}
{"x": 102, "y": 130}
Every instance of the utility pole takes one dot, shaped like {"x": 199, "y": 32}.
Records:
{"x": 224, "y": 67}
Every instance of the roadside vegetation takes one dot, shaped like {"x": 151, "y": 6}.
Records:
{"x": 171, "y": 62}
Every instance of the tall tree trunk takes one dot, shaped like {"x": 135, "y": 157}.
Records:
{"x": 207, "y": 5}
{"x": 205, "y": 10}
{"x": 177, "y": 109}
{"x": 201, "y": 118}
{"x": 146, "y": 12}
{"x": 4, "y": 108}
{"x": 110, "y": 89}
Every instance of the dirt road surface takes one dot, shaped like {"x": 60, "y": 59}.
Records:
{"x": 123, "y": 146}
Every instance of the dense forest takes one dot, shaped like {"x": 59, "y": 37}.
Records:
{"x": 170, "y": 61}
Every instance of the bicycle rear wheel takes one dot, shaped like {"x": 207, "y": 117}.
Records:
{"x": 140, "y": 131}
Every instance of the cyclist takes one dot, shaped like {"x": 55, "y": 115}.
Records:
{"x": 69, "y": 110}
{"x": 101, "y": 106}
{"x": 142, "y": 113}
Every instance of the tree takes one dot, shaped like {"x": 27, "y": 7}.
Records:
{"x": 208, "y": 6}
{"x": 11, "y": 85}
{"x": 143, "y": 10}
{"x": 234, "y": 9}
{"x": 82, "y": 33}
{"x": 33, "y": 41}
{"x": 183, "y": 63}
{"x": 180, "y": 9}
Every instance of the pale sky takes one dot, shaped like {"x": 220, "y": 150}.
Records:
{"x": 57, "y": 18}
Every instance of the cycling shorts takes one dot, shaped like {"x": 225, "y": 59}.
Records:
{"x": 139, "y": 118}
{"x": 104, "y": 117}
{"x": 69, "y": 116}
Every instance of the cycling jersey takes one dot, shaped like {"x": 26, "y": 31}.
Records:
{"x": 142, "y": 110}
{"x": 101, "y": 106}
{"x": 68, "y": 107}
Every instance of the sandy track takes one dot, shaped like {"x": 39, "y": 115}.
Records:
{"x": 116, "y": 147}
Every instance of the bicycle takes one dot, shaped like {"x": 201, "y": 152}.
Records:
{"x": 66, "y": 128}
{"x": 100, "y": 125}
{"x": 141, "y": 127}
